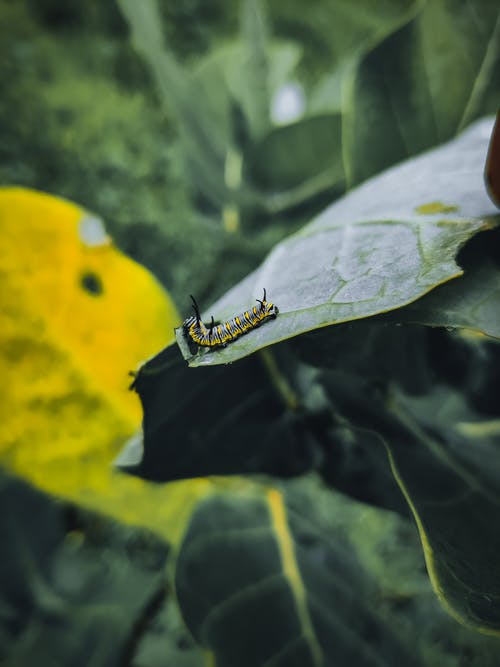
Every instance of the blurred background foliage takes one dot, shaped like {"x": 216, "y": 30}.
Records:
{"x": 203, "y": 134}
{"x": 240, "y": 119}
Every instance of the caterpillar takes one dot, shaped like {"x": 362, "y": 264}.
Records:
{"x": 219, "y": 335}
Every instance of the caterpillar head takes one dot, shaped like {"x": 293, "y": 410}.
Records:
{"x": 267, "y": 308}
{"x": 271, "y": 310}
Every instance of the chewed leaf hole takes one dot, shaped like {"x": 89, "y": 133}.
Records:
{"x": 92, "y": 283}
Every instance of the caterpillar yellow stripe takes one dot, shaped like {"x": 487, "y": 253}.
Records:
{"x": 219, "y": 335}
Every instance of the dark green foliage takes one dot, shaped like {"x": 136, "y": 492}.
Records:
{"x": 261, "y": 606}
{"x": 365, "y": 386}
{"x": 358, "y": 395}
{"x": 78, "y": 590}
{"x": 225, "y": 441}
{"x": 423, "y": 84}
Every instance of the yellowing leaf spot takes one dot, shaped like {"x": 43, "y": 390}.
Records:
{"x": 231, "y": 218}
{"x": 436, "y": 207}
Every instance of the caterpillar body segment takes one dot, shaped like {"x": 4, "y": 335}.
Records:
{"x": 221, "y": 334}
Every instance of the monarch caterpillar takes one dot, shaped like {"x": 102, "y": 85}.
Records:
{"x": 219, "y": 335}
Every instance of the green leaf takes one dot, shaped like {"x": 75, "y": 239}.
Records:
{"x": 215, "y": 421}
{"x": 66, "y": 599}
{"x": 332, "y": 33}
{"x": 448, "y": 465}
{"x": 379, "y": 248}
{"x": 255, "y": 73}
{"x": 472, "y": 301}
{"x": 258, "y": 584}
{"x": 444, "y": 455}
{"x": 297, "y": 162}
{"x": 203, "y": 131}
{"x": 238, "y": 118}
{"x": 165, "y": 641}
{"x": 232, "y": 86}
{"x": 422, "y": 85}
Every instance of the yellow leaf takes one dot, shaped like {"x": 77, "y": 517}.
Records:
{"x": 76, "y": 316}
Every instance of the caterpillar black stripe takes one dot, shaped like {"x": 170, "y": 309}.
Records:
{"x": 219, "y": 335}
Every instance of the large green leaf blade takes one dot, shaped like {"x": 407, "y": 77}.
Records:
{"x": 382, "y": 246}
{"x": 228, "y": 411}
{"x": 448, "y": 467}
{"x": 258, "y": 584}
{"x": 444, "y": 455}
